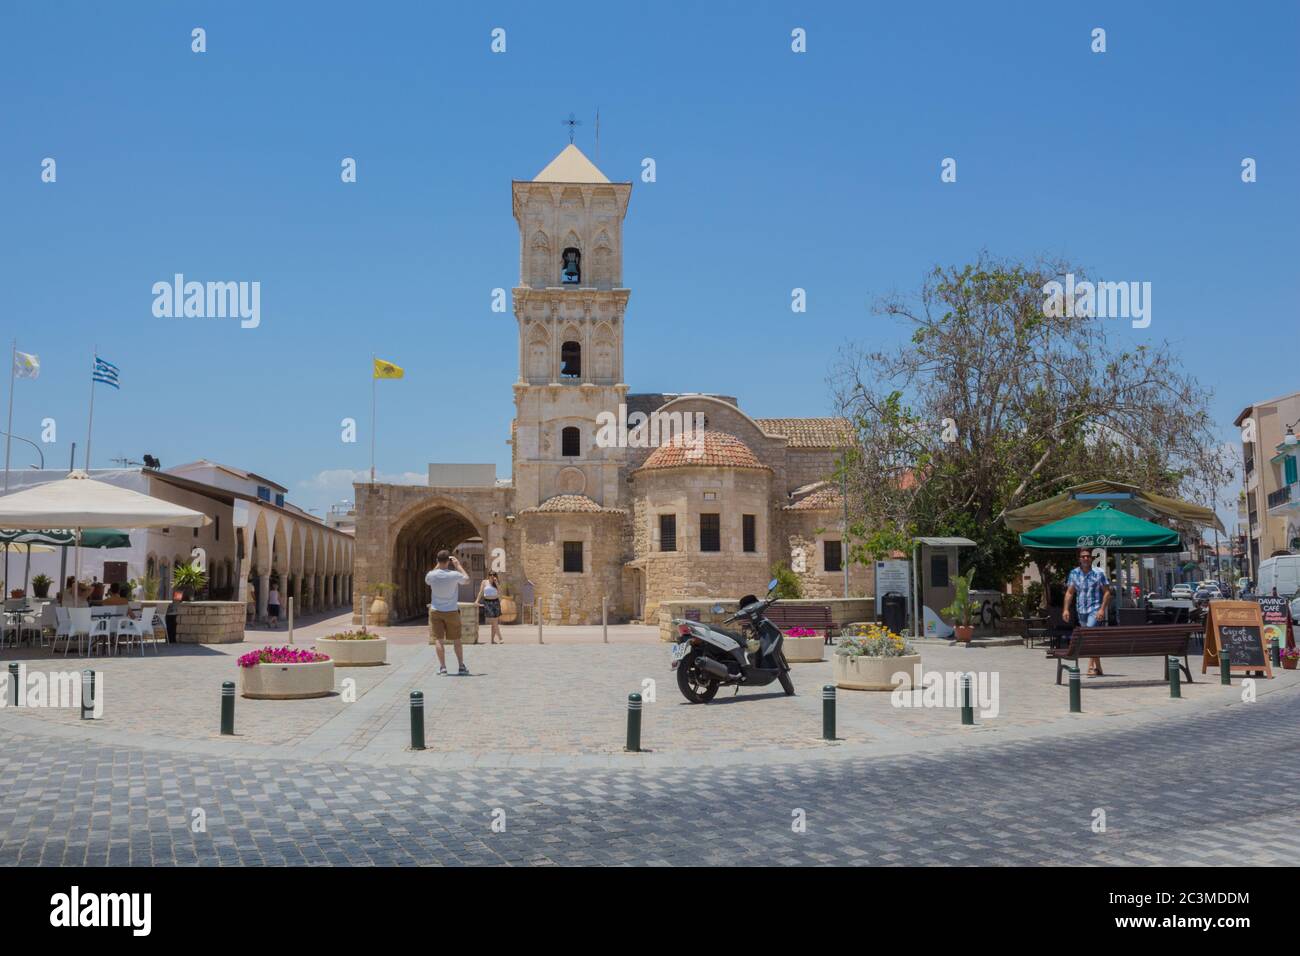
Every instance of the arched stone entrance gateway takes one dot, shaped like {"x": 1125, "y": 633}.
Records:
{"x": 401, "y": 528}
{"x": 415, "y": 551}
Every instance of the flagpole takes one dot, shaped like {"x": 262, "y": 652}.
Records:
{"x": 91, "y": 422}
{"x": 13, "y": 358}
{"x": 13, "y": 362}
{"x": 372, "y": 418}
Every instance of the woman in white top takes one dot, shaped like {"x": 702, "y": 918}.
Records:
{"x": 273, "y": 607}
{"x": 489, "y": 599}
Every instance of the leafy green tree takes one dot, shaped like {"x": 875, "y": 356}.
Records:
{"x": 995, "y": 402}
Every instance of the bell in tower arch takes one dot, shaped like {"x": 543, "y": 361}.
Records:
{"x": 570, "y": 274}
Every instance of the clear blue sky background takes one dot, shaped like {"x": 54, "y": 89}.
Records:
{"x": 775, "y": 170}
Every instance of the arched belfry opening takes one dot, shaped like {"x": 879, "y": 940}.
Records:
{"x": 571, "y": 360}
{"x": 571, "y": 267}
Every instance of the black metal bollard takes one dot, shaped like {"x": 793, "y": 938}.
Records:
{"x": 13, "y": 685}
{"x": 228, "y": 708}
{"x": 828, "y": 712}
{"x": 1277, "y": 653}
{"x": 1225, "y": 667}
{"x": 87, "y": 695}
{"x": 633, "y": 723}
{"x": 1076, "y": 690}
{"x": 1175, "y": 678}
{"x": 967, "y": 707}
{"x": 417, "y": 720}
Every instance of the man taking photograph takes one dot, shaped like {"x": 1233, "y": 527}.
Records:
{"x": 444, "y": 615}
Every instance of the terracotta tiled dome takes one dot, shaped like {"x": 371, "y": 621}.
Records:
{"x": 718, "y": 449}
{"x": 570, "y": 504}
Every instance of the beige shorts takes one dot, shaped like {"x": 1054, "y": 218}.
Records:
{"x": 444, "y": 626}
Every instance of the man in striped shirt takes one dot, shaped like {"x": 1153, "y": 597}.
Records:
{"x": 1092, "y": 590}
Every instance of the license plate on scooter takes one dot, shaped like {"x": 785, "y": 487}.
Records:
{"x": 679, "y": 652}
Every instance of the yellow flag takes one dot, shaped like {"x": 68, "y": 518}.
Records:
{"x": 387, "y": 370}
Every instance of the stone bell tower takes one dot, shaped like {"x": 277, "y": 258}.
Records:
{"x": 570, "y": 305}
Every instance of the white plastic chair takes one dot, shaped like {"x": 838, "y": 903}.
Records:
{"x": 48, "y": 621}
{"x": 132, "y": 630}
{"x": 62, "y": 629}
{"x": 83, "y": 624}
{"x": 79, "y": 626}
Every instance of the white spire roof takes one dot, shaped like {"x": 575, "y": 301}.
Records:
{"x": 571, "y": 166}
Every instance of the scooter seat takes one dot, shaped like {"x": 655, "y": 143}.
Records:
{"x": 736, "y": 636}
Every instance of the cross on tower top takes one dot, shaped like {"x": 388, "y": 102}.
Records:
{"x": 573, "y": 124}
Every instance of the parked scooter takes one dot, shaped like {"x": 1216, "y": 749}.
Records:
{"x": 705, "y": 656}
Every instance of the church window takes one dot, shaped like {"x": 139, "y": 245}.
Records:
{"x": 748, "y": 543}
{"x": 668, "y": 532}
{"x": 573, "y": 557}
{"x": 710, "y": 532}
{"x": 571, "y": 360}
{"x": 571, "y": 442}
{"x": 832, "y": 556}
{"x": 571, "y": 272}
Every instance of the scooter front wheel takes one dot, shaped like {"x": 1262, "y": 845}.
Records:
{"x": 787, "y": 684}
{"x": 695, "y": 687}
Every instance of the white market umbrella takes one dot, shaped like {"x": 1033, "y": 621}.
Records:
{"x": 78, "y": 502}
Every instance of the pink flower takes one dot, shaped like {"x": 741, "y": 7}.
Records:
{"x": 281, "y": 655}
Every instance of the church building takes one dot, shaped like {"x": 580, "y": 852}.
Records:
{"x": 634, "y": 521}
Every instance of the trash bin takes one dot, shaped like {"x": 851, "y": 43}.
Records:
{"x": 893, "y": 611}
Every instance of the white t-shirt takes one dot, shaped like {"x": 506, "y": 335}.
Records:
{"x": 273, "y": 597}
{"x": 444, "y": 587}
{"x": 489, "y": 591}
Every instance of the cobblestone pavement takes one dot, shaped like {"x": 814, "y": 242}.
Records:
{"x": 1169, "y": 797}
{"x": 564, "y": 705}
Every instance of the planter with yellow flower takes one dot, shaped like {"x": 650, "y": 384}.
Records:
{"x": 872, "y": 657}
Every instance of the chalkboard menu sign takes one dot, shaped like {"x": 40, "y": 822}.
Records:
{"x": 1238, "y": 628}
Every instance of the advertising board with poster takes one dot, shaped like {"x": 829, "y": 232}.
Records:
{"x": 1276, "y": 614}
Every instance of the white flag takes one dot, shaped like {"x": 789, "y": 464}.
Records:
{"x": 26, "y": 366}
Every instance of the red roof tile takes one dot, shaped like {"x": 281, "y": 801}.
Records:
{"x": 809, "y": 432}
{"x": 718, "y": 450}
{"x": 570, "y": 504}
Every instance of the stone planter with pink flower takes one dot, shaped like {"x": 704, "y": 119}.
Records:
{"x": 285, "y": 673}
{"x": 803, "y": 645}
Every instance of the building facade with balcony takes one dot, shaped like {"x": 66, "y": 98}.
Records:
{"x": 1269, "y": 464}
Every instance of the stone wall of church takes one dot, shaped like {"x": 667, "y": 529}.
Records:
{"x": 806, "y": 532}
{"x": 688, "y": 571}
{"x": 542, "y": 471}
{"x": 803, "y": 466}
{"x": 569, "y": 597}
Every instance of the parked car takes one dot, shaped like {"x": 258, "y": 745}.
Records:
{"x": 1182, "y": 592}
{"x": 1295, "y": 609}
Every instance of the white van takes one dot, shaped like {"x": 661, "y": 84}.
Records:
{"x": 1282, "y": 572}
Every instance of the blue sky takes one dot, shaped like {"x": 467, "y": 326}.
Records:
{"x": 775, "y": 170}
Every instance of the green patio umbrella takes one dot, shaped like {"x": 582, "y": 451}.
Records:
{"x": 64, "y": 538}
{"x": 1102, "y": 527}
{"x": 90, "y": 538}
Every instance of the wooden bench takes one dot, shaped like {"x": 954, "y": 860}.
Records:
{"x": 1142, "y": 640}
{"x": 814, "y": 616}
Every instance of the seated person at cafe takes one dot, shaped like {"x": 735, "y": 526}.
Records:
{"x": 115, "y": 596}
{"x": 68, "y": 597}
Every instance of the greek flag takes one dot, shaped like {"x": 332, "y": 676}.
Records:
{"x": 106, "y": 372}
